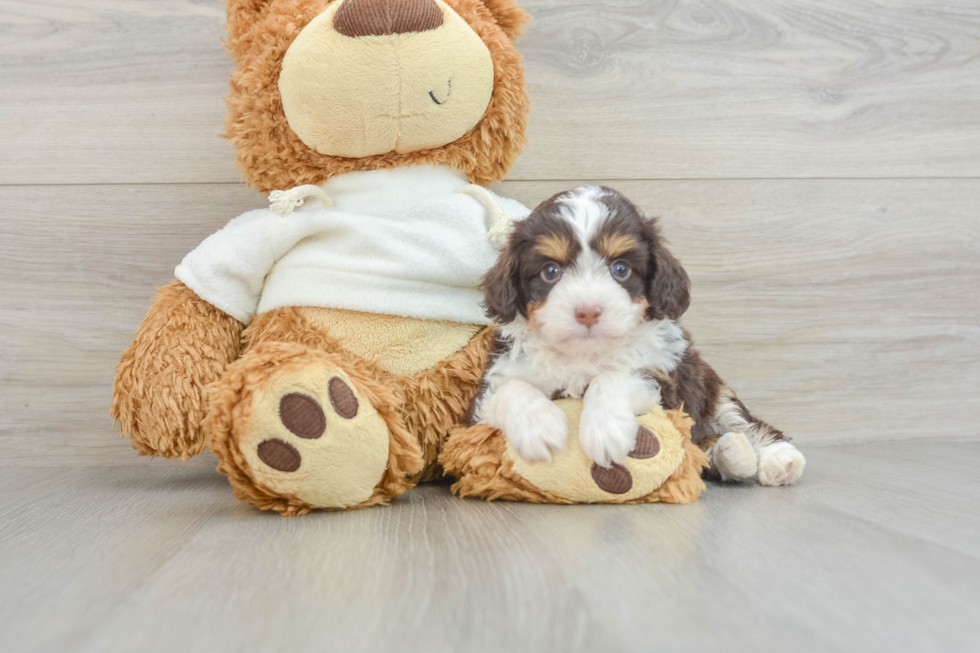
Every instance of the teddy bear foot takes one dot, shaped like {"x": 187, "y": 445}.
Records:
{"x": 296, "y": 429}
{"x": 664, "y": 466}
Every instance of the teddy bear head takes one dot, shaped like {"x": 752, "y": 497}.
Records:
{"x": 324, "y": 87}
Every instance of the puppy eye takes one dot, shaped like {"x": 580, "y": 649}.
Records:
{"x": 620, "y": 270}
{"x": 551, "y": 272}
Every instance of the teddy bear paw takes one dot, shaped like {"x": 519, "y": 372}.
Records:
{"x": 295, "y": 432}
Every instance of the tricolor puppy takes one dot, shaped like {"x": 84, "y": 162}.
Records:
{"x": 587, "y": 298}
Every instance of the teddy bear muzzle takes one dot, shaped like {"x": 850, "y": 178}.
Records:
{"x": 374, "y": 77}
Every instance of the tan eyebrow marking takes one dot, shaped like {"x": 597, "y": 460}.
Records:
{"x": 555, "y": 246}
{"x": 614, "y": 245}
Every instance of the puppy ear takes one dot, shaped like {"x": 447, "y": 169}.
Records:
{"x": 500, "y": 288}
{"x": 510, "y": 17}
{"x": 669, "y": 290}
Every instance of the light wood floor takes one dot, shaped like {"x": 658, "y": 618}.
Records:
{"x": 817, "y": 168}
{"x": 876, "y": 551}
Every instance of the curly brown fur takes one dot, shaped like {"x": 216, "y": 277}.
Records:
{"x": 242, "y": 17}
{"x": 232, "y": 400}
{"x": 159, "y": 396}
{"x": 271, "y": 156}
{"x": 685, "y": 484}
{"x": 475, "y": 456}
{"x": 509, "y": 16}
{"x": 436, "y": 399}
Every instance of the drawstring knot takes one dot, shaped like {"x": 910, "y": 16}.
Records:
{"x": 502, "y": 225}
{"x": 284, "y": 202}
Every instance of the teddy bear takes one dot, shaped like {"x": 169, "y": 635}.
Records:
{"x": 326, "y": 348}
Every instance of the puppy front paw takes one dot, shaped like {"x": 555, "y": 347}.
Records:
{"x": 607, "y": 436}
{"x": 780, "y": 464}
{"x": 536, "y": 429}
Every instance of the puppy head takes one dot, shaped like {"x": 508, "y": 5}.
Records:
{"x": 586, "y": 267}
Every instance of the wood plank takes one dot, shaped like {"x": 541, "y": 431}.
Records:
{"x": 97, "y": 559}
{"x": 113, "y": 91}
{"x": 130, "y": 91}
{"x": 839, "y": 310}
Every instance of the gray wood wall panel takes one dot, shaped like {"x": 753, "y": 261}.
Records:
{"x": 841, "y": 310}
{"x": 817, "y": 169}
{"x": 130, "y": 91}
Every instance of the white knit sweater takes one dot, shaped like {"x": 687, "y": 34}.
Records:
{"x": 399, "y": 242}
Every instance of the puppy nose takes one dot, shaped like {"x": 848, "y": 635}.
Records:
{"x": 587, "y": 315}
{"x": 386, "y": 17}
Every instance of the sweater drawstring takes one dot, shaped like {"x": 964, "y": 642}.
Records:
{"x": 284, "y": 202}
{"x": 502, "y": 225}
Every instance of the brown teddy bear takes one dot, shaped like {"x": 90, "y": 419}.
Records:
{"x": 326, "y": 350}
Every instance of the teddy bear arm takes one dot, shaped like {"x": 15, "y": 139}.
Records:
{"x": 160, "y": 389}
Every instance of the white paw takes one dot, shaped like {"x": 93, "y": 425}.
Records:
{"x": 536, "y": 428}
{"x": 733, "y": 457}
{"x": 780, "y": 464}
{"x": 607, "y": 436}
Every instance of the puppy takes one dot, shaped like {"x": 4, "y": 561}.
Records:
{"x": 587, "y": 298}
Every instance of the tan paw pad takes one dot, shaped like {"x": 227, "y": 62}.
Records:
{"x": 647, "y": 445}
{"x": 279, "y": 455}
{"x": 614, "y": 480}
{"x": 302, "y": 415}
{"x": 312, "y": 436}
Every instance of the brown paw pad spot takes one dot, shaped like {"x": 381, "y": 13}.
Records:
{"x": 342, "y": 398}
{"x": 279, "y": 455}
{"x": 614, "y": 480}
{"x": 302, "y": 415}
{"x": 647, "y": 445}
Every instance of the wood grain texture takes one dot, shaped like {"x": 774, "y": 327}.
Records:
{"x": 130, "y": 91}
{"x": 839, "y": 310}
{"x": 875, "y": 550}
{"x": 842, "y": 310}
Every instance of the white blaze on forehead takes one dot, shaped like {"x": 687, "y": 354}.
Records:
{"x": 590, "y": 265}
{"x": 582, "y": 209}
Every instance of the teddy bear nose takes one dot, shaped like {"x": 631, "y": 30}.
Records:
{"x": 386, "y": 17}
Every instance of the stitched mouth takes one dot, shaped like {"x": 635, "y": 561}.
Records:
{"x": 449, "y": 91}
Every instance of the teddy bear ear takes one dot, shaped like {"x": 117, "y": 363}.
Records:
{"x": 509, "y": 16}
{"x": 242, "y": 16}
